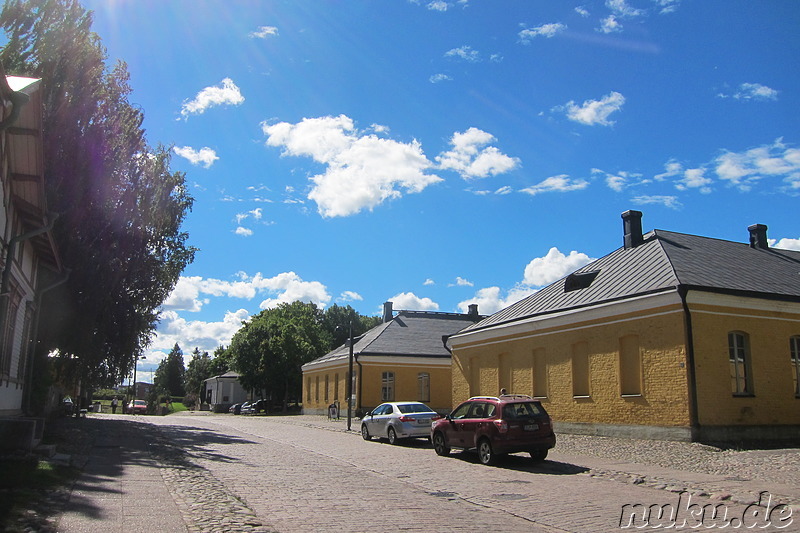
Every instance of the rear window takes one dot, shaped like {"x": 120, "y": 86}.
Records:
{"x": 522, "y": 410}
{"x": 414, "y": 408}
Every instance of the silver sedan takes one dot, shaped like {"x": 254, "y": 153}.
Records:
{"x": 398, "y": 420}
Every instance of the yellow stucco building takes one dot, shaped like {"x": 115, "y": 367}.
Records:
{"x": 672, "y": 336}
{"x": 402, "y": 359}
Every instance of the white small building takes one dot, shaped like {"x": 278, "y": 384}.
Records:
{"x": 220, "y": 392}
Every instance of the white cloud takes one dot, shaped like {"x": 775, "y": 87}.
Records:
{"x": 786, "y": 244}
{"x": 410, "y": 301}
{"x": 667, "y": 201}
{"x": 755, "y": 91}
{"x": 350, "y": 296}
{"x": 438, "y": 5}
{"x": 471, "y": 158}
{"x": 694, "y": 178}
{"x": 207, "y": 336}
{"x": 264, "y": 31}
{"x": 204, "y": 156}
{"x": 667, "y": 6}
{"x": 610, "y": 24}
{"x": 490, "y": 299}
{"x": 209, "y": 97}
{"x": 561, "y": 183}
{"x": 244, "y": 232}
{"x": 545, "y": 30}
{"x": 619, "y": 180}
{"x": 465, "y": 53}
{"x": 502, "y": 191}
{"x": 438, "y": 78}
{"x": 622, "y": 9}
{"x": 555, "y": 265}
{"x": 671, "y": 168}
{"x": 429, "y": 281}
{"x": 539, "y": 272}
{"x": 582, "y": 11}
{"x": 255, "y": 214}
{"x": 362, "y": 171}
{"x": 745, "y": 169}
{"x": 461, "y": 282}
{"x": 593, "y": 112}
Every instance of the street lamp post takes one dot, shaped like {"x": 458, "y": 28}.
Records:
{"x": 350, "y": 379}
{"x": 135, "y": 364}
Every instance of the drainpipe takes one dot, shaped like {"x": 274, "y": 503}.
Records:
{"x": 35, "y": 339}
{"x": 694, "y": 424}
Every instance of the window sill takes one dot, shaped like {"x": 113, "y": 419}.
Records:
{"x": 743, "y": 395}
{"x": 581, "y": 397}
{"x": 631, "y": 395}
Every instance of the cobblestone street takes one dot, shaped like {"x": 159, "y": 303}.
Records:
{"x": 307, "y": 474}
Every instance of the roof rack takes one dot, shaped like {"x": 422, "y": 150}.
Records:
{"x": 503, "y": 397}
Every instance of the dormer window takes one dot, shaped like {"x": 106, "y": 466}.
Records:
{"x": 579, "y": 280}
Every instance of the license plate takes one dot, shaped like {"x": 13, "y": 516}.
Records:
{"x": 530, "y": 427}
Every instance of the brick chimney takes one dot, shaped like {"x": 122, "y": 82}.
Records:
{"x": 758, "y": 236}
{"x": 632, "y": 228}
{"x": 387, "y": 312}
{"x": 473, "y": 310}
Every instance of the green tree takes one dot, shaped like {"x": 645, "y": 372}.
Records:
{"x": 121, "y": 208}
{"x": 197, "y": 371}
{"x": 272, "y": 346}
{"x": 336, "y": 319}
{"x": 170, "y": 373}
{"x": 222, "y": 361}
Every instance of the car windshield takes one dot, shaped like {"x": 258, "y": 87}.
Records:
{"x": 521, "y": 410}
{"x": 414, "y": 408}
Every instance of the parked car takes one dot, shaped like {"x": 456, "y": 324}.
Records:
{"x": 235, "y": 409}
{"x": 137, "y": 406}
{"x": 398, "y": 420}
{"x": 258, "y": 406}
{"x": 495, "y": 426}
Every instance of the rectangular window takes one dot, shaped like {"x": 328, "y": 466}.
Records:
{"x": 630, "y": 366}
{"x": 580, "y": 370}
{"x": 387, "y": 386}
{"x": 316, "y": 389}
{"x": 308, "y": 389}
{"x": 794, "y": 348}
{"x": 738, "y": 355}
{"x": 539, "y": 373}
{"x": 327, "y": 384}
{"x": 9, "y": 333}
{"x": 424, "y": 387}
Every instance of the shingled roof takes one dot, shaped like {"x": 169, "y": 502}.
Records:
{"x": 664, "y": 261}
{"x": 408, "y": 334}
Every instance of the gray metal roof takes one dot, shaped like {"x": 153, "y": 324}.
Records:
{"x": 409, "y": 333}
{"x": 663, "y": 262}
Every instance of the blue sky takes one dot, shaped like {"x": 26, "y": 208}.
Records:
{"x": 442, "y": 153}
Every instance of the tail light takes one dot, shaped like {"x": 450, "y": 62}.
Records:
{"x": 501, "y": 425}
{"x": 407, "y": 419}
{"x": 437, "y": 417}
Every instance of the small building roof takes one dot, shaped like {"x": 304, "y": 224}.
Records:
{"x": 408, "y": 334}
{"x": 227, "y": 375}
{"x": 665, "y": 261}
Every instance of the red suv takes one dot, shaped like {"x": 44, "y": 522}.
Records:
{"x": 495, "y": 426}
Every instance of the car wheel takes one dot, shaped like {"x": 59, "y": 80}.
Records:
{"x": 539, "y": 455}
{"x": 439, "y": 445}
{"x": 365, "y": 432}
{"x": 485, "y": 453}
{"x": 392, "y": 436}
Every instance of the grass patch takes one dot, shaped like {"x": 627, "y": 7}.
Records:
{"x": 23, "y": 482}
